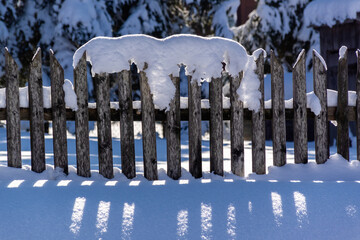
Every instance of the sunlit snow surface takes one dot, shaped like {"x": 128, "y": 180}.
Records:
{"x": 287, "y": 203}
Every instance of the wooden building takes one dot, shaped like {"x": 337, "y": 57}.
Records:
{"x": 347, "y": 34}
{"x": 245, "y": 8}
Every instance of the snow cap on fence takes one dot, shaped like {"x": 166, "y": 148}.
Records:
{"x": 203, "y": 58}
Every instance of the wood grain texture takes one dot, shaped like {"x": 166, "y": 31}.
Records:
{"x": 36, "y": 115}
{"x": 102, "y": 85}
{"x": 82, "y": 119}
{"x": 59, "y": 114}
{"x": 358, "y": 105}
{"x": 299, "y": 105}
{"x": 321, "y": 126}
{"x": 195, "y": 159}
{"x": 278, "y": 112}
{"x": 258, "y": 125}
{"x": 13, "y": 112}
{"x": 216, "y": 125}
{"x": 237, "y": 127}
{"x": 126, "y": 125}
{"x": 173, "y": 128}
{"x": 342, "y": 141}
{"x": 148, "y": 129}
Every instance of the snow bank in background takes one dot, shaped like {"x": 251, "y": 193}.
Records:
{"x": 202, "y": 57}
{"x": 330, "y": 12}
{"x": 332, "y": 96}
{"x": 70, "y": 96}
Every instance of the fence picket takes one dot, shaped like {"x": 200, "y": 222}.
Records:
{"x": 195, "y": 164}
{"x": 148, "y": 129}
{"x": 358, "y": 105}
{"x": 299, "y": 105}
{"x": 173, "y": 128}
{"x": 13, "y": 112}
{"x": 102, "y": 84}
{"x": 278, "y": 112}
{"x": 82, "y": 119}
{"x": 321, "y": 121}
{"x": 258, "y": 125}
{"x": 216, "y": 125}
{"x": 237, "y": 127}
{"x": 58, "y": 113}
{"x": 342, "y": 141}
{"x": 126, "y": 124}
{"x": 36, "y": 114}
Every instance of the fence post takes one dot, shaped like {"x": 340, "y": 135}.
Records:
{"x": 300, "y": 114}
{"x": 104, "y": 125}
{"x": 36, "y": 115}
{"x": 237, "y": 127}
{"x": 258, "y": 124}
{"x": 216, "y": 125}
{"x": 82, "y": 119}
{"x": 278, "y": 112}
{"x": 195, "y": 164}
{"x": 148, "y": 129}
{"x": 126, "y": 124}
{"x": 342, "y": 141}
{"x": 173, "y": 133}
{"x": 12, "y": 112}
{"x": 321, "y": 120}
{"x": 58, "y": 114}
{"x": 358, "y": 105}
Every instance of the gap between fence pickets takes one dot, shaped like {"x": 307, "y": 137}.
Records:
{"x": 36, "y": 110}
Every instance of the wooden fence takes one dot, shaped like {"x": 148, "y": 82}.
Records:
{"x": 148, "y": 114}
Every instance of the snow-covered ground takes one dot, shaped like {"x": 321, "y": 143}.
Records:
{"x": 292, "y": 202}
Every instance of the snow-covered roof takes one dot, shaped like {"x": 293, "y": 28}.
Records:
{"x": 330, "y": 12}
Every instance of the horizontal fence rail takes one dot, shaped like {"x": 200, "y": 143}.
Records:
{"x": 126, "y": 111}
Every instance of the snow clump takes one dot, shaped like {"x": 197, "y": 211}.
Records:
{"x": 160, "y": 58}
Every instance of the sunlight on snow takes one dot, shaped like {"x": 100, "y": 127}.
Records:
{"x": 206, "y": 225}
{"x": 250, "y": 206}
{"x": 277, "y": 207}
{"x": 182, "y": 223}
{"x": 77, "y": 215}
{"x": 205, "y": 180}
{"x": 102, "y": 217}
{"x": 183, "y": 181}
{"x": 128, "y": 220}
{"x": 40, "y": 183}
{"x": 87, "y": 183}
{"x": 63, "y": 183}
{"x": 15, "y": 183}
{"x": 159, "y": 182}
{"x": 301, "y": 208}
{"x": 111, "y": 183}
{"x": 134, "y": 183}
{"x": 231, "y": 221}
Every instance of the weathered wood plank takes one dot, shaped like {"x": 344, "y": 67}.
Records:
{"x": 342, "y": 141}
{"x": 13, "y": 112}
{"x": 126, "y": 125}
{"x": 195, "y": 159}
{"x": 36, "y": 115}
{"x": 58, "y": 113}
{"x": 173, "y": 128}
{"x": 258, "y": 124}
{"x": 278, "y": 112}
{"x": 358, "y": 105}
{"x": 82, "y": 119}
{"x": 148, "y": 129}
{"x": 299, "y": 105}
{"x": 237, "y": 127}
{"x": 321, "y": 121}
{"x": 216, "y": 125}
{"x": 102, "y": 85}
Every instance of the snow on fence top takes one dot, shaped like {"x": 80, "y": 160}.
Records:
{"x": 203, "y": 58}
{"x": 330, "y": 12}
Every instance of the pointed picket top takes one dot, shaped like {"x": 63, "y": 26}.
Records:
{"x": 300, "y": 58}
{"x": 321, "y": 59}
{"x": 274, "y": 58}
{"x": 36, "y": 60}
{"x": 53, "y": 60}
{"x": 9, "y": 60}
{"x": 81, "y": 62}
